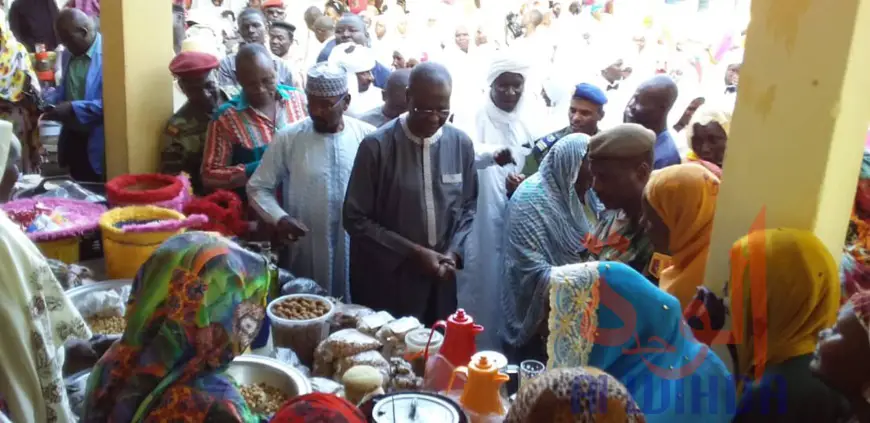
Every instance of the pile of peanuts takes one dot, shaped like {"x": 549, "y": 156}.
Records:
{"x": 111, "y": 325}
{"x": 263, "y": 399}
{"x": 300, "y": 309}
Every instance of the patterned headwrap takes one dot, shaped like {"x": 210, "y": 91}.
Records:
{"x": 318, "y": 407}
{"x": 326, "y": 80}
{"x": 855, "y": 264}
{"x": 580, "y": 394}
{"x": 196, "y": 304}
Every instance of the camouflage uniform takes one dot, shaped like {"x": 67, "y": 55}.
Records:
{"x": 183, "y": 142}
{"x": 540, "y": 148}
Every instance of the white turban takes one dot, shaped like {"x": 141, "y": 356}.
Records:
{"x": 506, "y": 61}
{"x": 355, "y": 58}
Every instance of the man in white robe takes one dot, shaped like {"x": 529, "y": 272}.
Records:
{"x": 509, "y": 118}
{"x": 359, "y": 62}
{"x": 312, "y": 161}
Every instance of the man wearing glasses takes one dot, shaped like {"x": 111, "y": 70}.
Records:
{"x": 410, "y": 204}
{"x": 311, "y": 162}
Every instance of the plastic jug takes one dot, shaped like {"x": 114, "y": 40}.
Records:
{"x": 456, "y": 350}
{"x": 481, "y": 397}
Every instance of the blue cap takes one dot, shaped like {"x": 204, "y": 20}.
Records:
{"x": 590, "y": 93}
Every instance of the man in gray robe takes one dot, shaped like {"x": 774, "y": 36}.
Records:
{"x": 395, "y": 100}
{"x": 409, "y": 206}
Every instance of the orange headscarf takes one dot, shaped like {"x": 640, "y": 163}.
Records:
{"x": 684, "y": 196}
{"x": 796, "y": 295}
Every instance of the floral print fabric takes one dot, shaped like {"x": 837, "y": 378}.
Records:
{"x": 578, "y": 395}
{"x": 38, "y": 319}
{"x": 196, "y": 304}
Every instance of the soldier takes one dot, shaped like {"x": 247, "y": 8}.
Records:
{"x": 184, "y": 137}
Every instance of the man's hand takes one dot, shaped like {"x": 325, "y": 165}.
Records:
{"x": 430, "y": 261}
{"x": 289, "y": 229}
{"x": 60, "y": 113}
{"x": 706, "y": 306}
{"x": 101, "y": 343}
{"x": 448, "y": 266}
{"x": 513, "y": 182}
{"x": 504, "y": 157}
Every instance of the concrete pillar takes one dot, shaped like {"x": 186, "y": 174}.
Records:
{"x": 137, "y": 85}
{"x": 799, "y": 125}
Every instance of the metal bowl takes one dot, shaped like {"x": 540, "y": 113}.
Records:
{"x": 245, "y": 369}
{"x": 252, "y": 369}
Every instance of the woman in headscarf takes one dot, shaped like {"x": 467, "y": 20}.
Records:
{"x": 840, "y": 358}
{"x": 37, "y": 319}
{"x": 855, "y": 265}
{"x": 546, "y": 220}
{"x": 506, "y": 120}
{"x": 679, "y": 203}
{"x": 707, "y": 136}
{"x": 19, "y": 90}
{"x": 316, "y": 408}
{"x": 785, "y": 282}
{"x": 607, "y": 315}
{"x": 196, "y": 304}
{"x": 581, "y": 394}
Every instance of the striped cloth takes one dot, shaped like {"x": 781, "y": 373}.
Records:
{"x": 238, "y": 137}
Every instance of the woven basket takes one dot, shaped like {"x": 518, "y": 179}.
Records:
{"x": 171, "y": 192}
{"x": 126, "y": 251}
{"x": 62, "y": 244}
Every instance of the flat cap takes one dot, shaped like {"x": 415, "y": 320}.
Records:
{"x": 623, "y": 141}
{"x": 285, "y": 25}
{"x": 192, "y": 63}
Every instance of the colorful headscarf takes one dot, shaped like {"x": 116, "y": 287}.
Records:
{"x": 15, "y": 66}
{"x": 855, "y": 265}
{"x": 318, "y": 407}
{"x": 580, "y": 395}
{"x": 796, "y": 295}
{"x": 684, "y": 196}
{"x": 196, "y": 304}
{"x": 609, "y": 316}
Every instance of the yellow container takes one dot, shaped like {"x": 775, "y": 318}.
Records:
{"x": 126, "y": 252}
{"x": 65, "y": 250}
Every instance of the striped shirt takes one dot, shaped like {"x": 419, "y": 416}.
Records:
{"x": 239, "y": 134}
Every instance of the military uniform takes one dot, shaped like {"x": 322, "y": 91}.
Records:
{"x": 184, "y": 137}
{"x": 540, "y": 148}
{"x": 183, "y": 142}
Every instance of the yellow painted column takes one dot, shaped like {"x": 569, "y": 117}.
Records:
{"x": 799, "y": 124}
{"x": 137, "y": 86}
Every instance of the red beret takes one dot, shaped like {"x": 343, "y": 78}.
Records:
{"x": 273, "y": 3}
{"x": 192, "y": 63}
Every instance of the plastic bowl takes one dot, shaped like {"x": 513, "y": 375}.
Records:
{"x": 301, "y": 336}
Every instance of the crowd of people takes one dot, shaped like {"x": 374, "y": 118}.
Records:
{"x": 556, "y": 177}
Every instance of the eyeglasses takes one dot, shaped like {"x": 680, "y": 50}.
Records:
{"x": 326, "y": 108}
{"x": 443, "y": 113}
